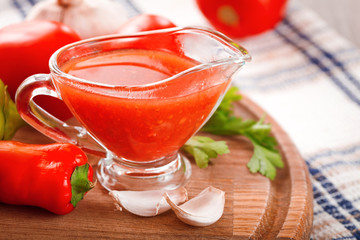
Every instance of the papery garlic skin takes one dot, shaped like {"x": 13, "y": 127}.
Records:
{"x": 203, "y": 210}
{"x": 147, "y": 203}
{"x": 89, "y": 18}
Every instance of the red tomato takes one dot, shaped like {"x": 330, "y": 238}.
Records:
{"x": 25, "y": 49}
{"x": 149, "y": 22}
{"x": 241, "y": 18}
{"x": 145, "y": 22}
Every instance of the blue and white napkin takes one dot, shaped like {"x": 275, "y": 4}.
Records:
{"x": 307, "y": 77}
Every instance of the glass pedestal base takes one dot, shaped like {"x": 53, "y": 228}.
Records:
{"x": 115, "y": 175}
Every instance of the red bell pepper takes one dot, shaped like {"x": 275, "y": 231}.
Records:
{"x": 53, "y": 176}
{"x": 25, "y": 49}
{"x": 242, "y": 18}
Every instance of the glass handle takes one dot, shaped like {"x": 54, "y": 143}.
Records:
{"x": 33, "y": 114}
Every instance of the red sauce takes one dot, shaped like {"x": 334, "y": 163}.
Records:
{"x": 141, "y": 123}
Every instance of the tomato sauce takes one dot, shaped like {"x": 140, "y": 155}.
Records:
{"x": 135, "y": 112}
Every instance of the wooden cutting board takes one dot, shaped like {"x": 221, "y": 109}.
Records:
{"x": 255, "y": 207}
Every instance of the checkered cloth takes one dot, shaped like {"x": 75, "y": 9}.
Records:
{"x": 307, "y": 77}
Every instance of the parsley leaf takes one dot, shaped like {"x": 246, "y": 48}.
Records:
{"x": 265, "y": 158}
{"x": 204, "y": 148}
{"x": 10, "y": 120}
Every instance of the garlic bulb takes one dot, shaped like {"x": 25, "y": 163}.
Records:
{"x": 147, "y": 203}
{"x": 203, "y": 210}
{"x": 89, "y": 18}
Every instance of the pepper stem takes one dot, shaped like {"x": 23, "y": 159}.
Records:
{"x": 80, "y": 183}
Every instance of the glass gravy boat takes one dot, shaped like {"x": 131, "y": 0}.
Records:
{"x": 137, "y": 124}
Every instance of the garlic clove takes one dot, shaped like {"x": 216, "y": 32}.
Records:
{"x": 46, "y": 10}
{"x": 89, "y": 18}
{"x": 203, "y": 210}
{"x": 147, "y": 203}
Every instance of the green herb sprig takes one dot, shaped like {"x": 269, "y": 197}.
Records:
{"x": 10, "y": 120}
{"x": 265, "y": 158}
{"x": 205, "y": 148}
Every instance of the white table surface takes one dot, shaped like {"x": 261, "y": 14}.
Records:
{"x": 342, "y": 15}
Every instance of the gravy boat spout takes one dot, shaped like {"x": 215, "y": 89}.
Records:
{"x": 212, "y": 50}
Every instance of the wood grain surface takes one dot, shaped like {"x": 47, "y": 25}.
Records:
{"x": 255, "y": 207}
